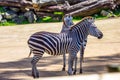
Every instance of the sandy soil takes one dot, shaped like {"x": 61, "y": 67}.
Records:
{"x": 14, "y": 63}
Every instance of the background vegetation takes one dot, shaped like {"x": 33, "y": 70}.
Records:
{"x": 47, "y": 19}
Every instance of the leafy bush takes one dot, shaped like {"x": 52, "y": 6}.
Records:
{"x": 47, "y": 19}
{"x": 7, "y": 23}
{"x": 1, "y": 10}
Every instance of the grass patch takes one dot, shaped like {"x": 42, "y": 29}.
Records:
{"x": 58, "y": 13}
{"x": 47, "y": 19}
{"x": 7, "y": 23}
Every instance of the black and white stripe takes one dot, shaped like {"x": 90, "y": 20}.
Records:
{"x": 67, "y": 23}
{"x": 61, "y": 43}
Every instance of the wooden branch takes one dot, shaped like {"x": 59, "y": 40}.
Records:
{"x": 92, "y": 9}
{"x": 81, "y": 5}
{"x": 55, "y": 8}
{"x": 11, "y": 3}
{"x": 117, "y": 2}
{"x": 42, "y": 14}
{"x": 74, "y": 7}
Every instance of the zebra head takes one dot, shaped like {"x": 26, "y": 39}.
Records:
{"x": 93, "y": 30}
{"x": 67, "y": 20}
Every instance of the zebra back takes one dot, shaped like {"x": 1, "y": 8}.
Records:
{"x": 89, "y": 19}
{"x": 52, "y": 43}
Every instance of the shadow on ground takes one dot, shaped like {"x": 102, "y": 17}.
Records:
{"x": 23, "y": 66}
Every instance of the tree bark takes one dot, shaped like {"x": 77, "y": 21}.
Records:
{"x": 117, "y": 2}
{"x": 74, "y": 7}
{"x": 12, "y": 3}
{"x": 89, "y": 7}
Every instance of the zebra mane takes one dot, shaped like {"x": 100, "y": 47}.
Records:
{"x": 89, "y": 19}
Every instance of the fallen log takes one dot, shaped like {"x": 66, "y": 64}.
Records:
{"x": 12, "y": 3}
{"x": 77, "y": 8}
{"x": 54, "y": 8}
{"x": 81, "y": 5}
{"x": 42, "y": 14}
{"x": 91, "y": 8}
{"x": 117, "y": 2}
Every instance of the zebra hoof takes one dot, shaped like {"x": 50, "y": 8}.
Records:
{"x": 63, "y": 69}
{"x": 80, "y": 71}
{"x": 35, "y": 75}
{"x": 69, "y": 73}
{"x": 74, "y": 72}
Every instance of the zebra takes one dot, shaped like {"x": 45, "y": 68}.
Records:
{"x": 67, "y": 23}
{"x": 61, "y": 43}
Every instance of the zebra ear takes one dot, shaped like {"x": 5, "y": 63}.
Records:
{"x": 92, "y": 19}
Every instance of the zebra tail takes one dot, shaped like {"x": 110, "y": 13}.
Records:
{"x": 30, "y": 53}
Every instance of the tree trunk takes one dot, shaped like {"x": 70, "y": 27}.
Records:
{"x": 16, "y": 3}
{"x": 117, "y": 2}
{"x": 74, "y": 7}
{"x": 89, "y": 7}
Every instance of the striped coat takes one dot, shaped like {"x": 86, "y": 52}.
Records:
{"x": 61, "y": 43}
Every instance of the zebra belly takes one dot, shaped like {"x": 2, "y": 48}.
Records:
{"x": 55, "y": 50}
{"x": 46, "y": 43}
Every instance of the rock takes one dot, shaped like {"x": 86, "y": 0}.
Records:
{"x": 1, "y": 17}
{"x": 108, "y": 14}
{"x": 19, "y": 19}
{"x": 104, "y": 13}
{"x": 113, "y": 68}
{"x": 10, "y": 14}
{"x": 3, "y": 21}
{"x": 30, "y": 16}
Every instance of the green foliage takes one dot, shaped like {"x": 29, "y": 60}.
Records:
{"x": 58, "y": 13}
{"x": 56, "y": 19}
{"x": 99, "y": 16}
{"x": 7, "y": 23}
{"x": 47, "y": 19}
{"x": 117, "y": 12}
{"x": 25, "y": 22}
{"x": 77, "y": 18}
{"x": 1, "y": 10}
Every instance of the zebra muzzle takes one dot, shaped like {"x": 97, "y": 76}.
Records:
{"x": 100, "y": 36}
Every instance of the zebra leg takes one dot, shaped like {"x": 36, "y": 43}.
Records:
{"x": 70, "y": 63}
{"x": 34, "y": 60}
{"x": 75, "y": 66}
{"x": 81, "y": 58}
{"x": 64, "y": 62}
{"x": 83, "y": 47}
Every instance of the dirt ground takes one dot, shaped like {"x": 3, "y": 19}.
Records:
{"x": 15, "y": 65}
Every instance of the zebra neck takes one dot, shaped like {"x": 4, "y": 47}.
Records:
{"x": 80, "y": 32}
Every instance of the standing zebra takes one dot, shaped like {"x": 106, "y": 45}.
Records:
{"x": 67, "y": 23}
{"x": 61, "y": 43}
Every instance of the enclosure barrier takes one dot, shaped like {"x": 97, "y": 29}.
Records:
{"x": 105, "y": 76}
